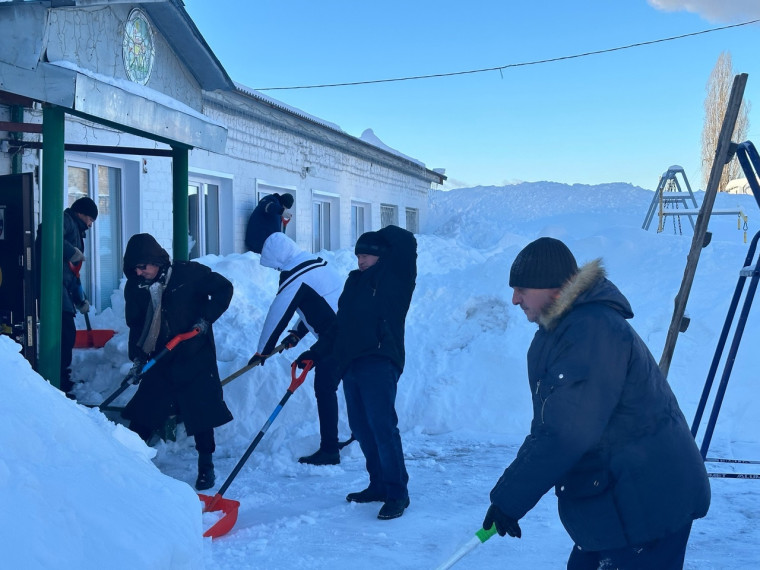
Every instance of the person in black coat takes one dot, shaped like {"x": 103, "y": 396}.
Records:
{"x": 77, "y": 219}
{"x": 269, "y": 216}
{"x": 367, "y": 342}
{"x": 607, "y": 432}
{"x": 164, "y": 299}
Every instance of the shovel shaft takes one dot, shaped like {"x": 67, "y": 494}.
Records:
{"x": 296, "y": 381}
{"x": 246, "y": 368}
{"x": 480, "y": 537}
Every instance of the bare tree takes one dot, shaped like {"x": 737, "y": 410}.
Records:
{"x": 716, "y": 102}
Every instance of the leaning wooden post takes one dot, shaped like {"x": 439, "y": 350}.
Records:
{"x": 723, "y": 153}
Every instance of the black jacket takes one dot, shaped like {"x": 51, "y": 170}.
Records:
{"x": 74, "y": 231}
{"x": 265, "y": 220}
{"x": 373, "y": 305}
{"x": 187, "y": 378}
{"x": 607, "y": 431}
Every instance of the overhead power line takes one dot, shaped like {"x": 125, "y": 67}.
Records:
{"x": 510, "y": 65}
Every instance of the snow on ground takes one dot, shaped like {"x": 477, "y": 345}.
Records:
{"x": 82, "y": 489}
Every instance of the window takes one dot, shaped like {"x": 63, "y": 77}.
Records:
{"x": 325, "y": 226}
{"x": 413, "y": 220}
{"x": 388, "y": 215}
{"x": 359, "y": 220}
{"x": 101, "y": 272}
{"x": 320, "y": 225}
{"x": 203, "y": 219}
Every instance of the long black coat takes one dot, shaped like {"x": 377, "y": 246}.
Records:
{"x": 607, "y": 431}
{"x": 187, "y": 377}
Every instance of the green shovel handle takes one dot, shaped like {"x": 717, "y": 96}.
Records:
{"x": 484, "y": 534}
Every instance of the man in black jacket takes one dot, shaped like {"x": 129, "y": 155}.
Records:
{"x": 77, "y": 219}
{"x": 164, "y": 299}
{"x": 367, "y": 341}
{"x": 269, "y": 216}
{"x": 607, "y": 432}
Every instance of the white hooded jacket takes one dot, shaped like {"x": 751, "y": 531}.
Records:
{"x": 308, "y": 286}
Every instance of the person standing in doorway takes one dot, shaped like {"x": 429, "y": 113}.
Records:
{"x": 163, "y": 299}
{"x": 607, "y": 432}
{"x": 77, "y": 219}
{"x": 367, "y": 342}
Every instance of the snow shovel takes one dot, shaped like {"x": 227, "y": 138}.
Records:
{"x": 127, "y": 382}
{"x": 228, "y": 506}
{"x": 90, "y": 338}
{"x": 247, "y": 367}
{"x": 480, "y": 537}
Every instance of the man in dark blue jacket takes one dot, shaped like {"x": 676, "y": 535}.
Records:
{"x": 77, "y": 219}
{"x": 367, "y": 342}
{"x": 607, "y": 432}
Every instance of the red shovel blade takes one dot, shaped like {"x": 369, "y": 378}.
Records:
{"x": 218, "y": 503}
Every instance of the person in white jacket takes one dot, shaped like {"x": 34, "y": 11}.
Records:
{"x": 310, "y": 287}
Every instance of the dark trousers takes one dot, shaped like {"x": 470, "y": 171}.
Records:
{"x": 666, "y": 553}
{"x": 68, "y": 338}
{"x": 326, "y": 382}
{"x": 370, "y": 388}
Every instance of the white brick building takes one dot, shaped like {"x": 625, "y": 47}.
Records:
{"x": 125, "y": 102}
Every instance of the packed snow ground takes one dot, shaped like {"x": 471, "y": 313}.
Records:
{"x": 83, "y": 492}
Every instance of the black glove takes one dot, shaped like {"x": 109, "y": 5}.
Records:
{"x": 504, "y": 524}
{"x": 257, "y": 359}
{"x": 291, "y": 340}
{"x": 202, "y": 325}
{"x": 134, "y": 373}
{"x": 309, "y": 355}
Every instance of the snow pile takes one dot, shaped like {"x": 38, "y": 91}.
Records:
{"x": 80, "y": 491}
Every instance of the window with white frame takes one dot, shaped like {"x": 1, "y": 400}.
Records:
{"x": 388, "y": 215}
{"x": 101, "y": 181}
{"x": 413, "y": 220}
{"x": 324, "y": 222}
{"x": 360, "y": 220}
{"x": 203, "y": 215}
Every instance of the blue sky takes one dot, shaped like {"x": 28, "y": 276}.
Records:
{"x": 624, "y": 116}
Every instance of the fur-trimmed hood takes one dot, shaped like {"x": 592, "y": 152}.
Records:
{"x": 589, "y": 285}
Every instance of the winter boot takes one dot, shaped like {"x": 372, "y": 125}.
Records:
{"x": 393, "y": 508}
{"x": 206, "y": 476}
{"x": 321, "y": 457}
{"x": 369, "y": 495}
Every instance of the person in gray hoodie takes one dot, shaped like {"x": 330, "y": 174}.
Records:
{"x": 607, "y": 432}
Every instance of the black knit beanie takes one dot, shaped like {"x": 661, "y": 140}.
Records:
{"x": 371, "y": 243}
{"x": 85, "y": 206}
{"x": 546, "y": 263}
{"x": 286, "y": 200}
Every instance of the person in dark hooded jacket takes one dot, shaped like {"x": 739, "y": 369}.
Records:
{"x": 164, "y": 299}
{"x": 367, "y": 342}
{"x": 607, "y": 432}
{"x": 269, "y": 216}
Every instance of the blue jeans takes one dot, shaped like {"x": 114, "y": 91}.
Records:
{"x": 666, "y": 553}
{"x": 369, "y": 385}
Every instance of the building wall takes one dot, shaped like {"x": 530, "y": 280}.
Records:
{"x": 91, "y": 38}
